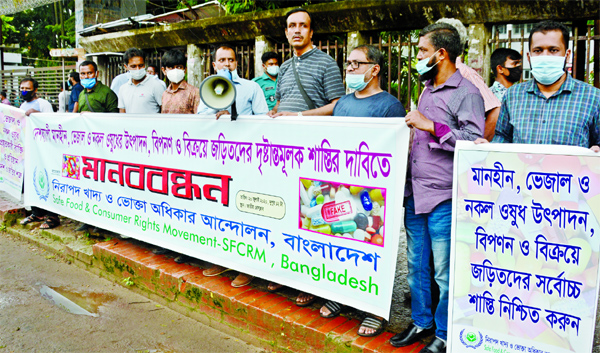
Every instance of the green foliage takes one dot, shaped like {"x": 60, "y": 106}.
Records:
{"x": 404, "y": 37}
{"x": 7, "y": 28}
{"x": 37, "y": 30}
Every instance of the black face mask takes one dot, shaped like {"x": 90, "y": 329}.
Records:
{"x": 514, "y": 73}
{"x": 27, "y": 96}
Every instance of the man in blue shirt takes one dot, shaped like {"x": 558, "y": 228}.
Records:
{"x": 553, "y": 108}
{"x": 76, "y": 89}
{"x": 363, "y": 75}
{"x": 249, "y": 99}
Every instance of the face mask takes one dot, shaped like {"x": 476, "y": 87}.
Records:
{"x": 547, "y": 69}
{"x": 175, "y": 75}
{"x": 88, "y": 83}
{"x": 70, "y": 84}
{"x": 27, "y": 95}
{"x": 514, "y": 73}
{"x": 357, "y": 81}
{"x": 234, "y": 75}
{"x": 273, "y": 70}
{"x": 138, "y": 74}
{"x": 225, "y": 73}
{"x": 423, "y": 65}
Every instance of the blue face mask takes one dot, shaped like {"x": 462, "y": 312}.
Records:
{"x": 88, "y": 83}
{"x": 547, "y": 69}
{"x": 225, "y": 73}
{"x": 423, "y": 65}
{"x": 357, "y": 81}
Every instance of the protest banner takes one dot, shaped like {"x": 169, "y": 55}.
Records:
{"x": 525, "y": 247}
{"x": 12, "y": 139}
{"x": 313, "y": 203}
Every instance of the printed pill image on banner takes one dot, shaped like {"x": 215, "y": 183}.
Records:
{"x": 340, "y": 210}
{"x": 71, "y": 167}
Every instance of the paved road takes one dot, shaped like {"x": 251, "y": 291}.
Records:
{"x": 123, "y": 321}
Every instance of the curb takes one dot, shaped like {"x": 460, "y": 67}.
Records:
{"x": 268, "y": 320}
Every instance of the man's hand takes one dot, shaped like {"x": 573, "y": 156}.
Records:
{"x": 481, "y": 140}
{"x": 271, "y": 112}
{"x": 222, "y": 112}
{"x": 595, "y": 148}
{"x": 283, "y": 114}
{"x": 31, "y": 111}
{"x": 419, "y": 121}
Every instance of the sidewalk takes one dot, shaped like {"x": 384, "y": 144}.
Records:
{"x": 268, "y": 320}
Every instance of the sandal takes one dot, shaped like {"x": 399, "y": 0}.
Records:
{"x": 334, "y": 309}
{"x": 305, "y": 303}
{"x": 50, "y": 222}
{"x": 30, "y": 219}
{"x": 274, "y": 287}
{"x": 374, "y": 323}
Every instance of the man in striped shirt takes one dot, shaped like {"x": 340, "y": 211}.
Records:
{"x": 317, "y": 72}
{"x": 553, "y": 108}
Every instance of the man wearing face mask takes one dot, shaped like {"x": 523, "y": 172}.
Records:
{"x": 180, "y": 97}
{"x": 96, "y": 97}
{"x": 33, "y": 104}
{"x": 249, "y": 100}
{"x": 363, "y": 72}
{"x": 268, "y": 80}
{"x": 507, "y": 68}
{"x": 450, "y": 109}
{"x": 553, "y": 108}
{"x": 142, "y": 94}
{"x": 363, "y": 75}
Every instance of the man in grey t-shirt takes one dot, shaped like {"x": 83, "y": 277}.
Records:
{"x": 142, "y": 93}
{"x": 318, "y": 73}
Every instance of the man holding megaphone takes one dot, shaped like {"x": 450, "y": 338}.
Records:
{"x": 218, "y": 95}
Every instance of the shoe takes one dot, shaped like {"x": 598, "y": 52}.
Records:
{"x": 181, "y": 259}
{"x": 82, "y": 227}
{"x": 160, "y": 251}
{"x": 410, "y": 336}
{"x": 215, "y": 271}
{"x": 436, "y": 346}
{"x": 274, "y": 287}
{"x": 242, "y": 280}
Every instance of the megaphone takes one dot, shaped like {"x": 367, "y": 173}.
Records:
{"x": 217, "y": 92}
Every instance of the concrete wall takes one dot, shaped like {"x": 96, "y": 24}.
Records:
{"x": 347, "y": 17}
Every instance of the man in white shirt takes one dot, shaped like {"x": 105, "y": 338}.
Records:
{"x": 63, "y": 98}
{"x": 142, "y": 93}
{"x": 249, "y": 100}
{"x": 33, "y": 104}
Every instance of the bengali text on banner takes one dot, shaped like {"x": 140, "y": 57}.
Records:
{"x": 313, "y": 203}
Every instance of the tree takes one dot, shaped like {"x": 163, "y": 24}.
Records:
{"x": 39, "y": 29}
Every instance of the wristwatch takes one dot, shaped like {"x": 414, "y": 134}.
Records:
{"x": 299, "y": 113}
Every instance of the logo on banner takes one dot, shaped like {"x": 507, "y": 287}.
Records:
{"x": 71, "y": 166}
{"x": 470, "y": 339}
{"x": 41, "y": 184}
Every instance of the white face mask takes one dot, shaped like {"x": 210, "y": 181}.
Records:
{"x": 273, "y": 70}
{"x": 175, "y": 75}
{"x": 138, "y": 74}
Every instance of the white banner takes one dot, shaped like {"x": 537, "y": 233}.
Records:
{"x": 525, "y": 249}
{"x": 313, "y": 203}
{"x": 12, "y": 139}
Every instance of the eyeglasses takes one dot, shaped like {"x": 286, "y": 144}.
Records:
{"x": 356, "y": 64}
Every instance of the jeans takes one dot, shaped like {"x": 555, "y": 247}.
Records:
{"x": 429, "y": 233}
